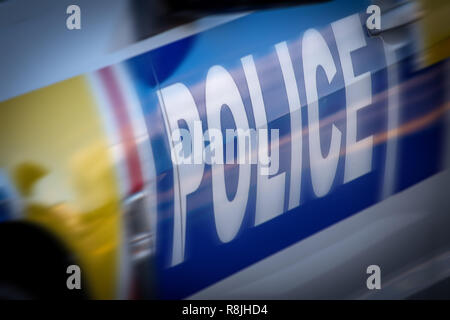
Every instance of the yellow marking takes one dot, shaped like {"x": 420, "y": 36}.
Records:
{"x": 55, "y": 150}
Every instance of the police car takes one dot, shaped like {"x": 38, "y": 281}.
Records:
{"x": 356, "y": 128}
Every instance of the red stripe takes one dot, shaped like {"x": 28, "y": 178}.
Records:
{"x": 125, "y": 128}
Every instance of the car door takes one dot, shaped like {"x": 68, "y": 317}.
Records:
{"x": 319, "y": 94}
